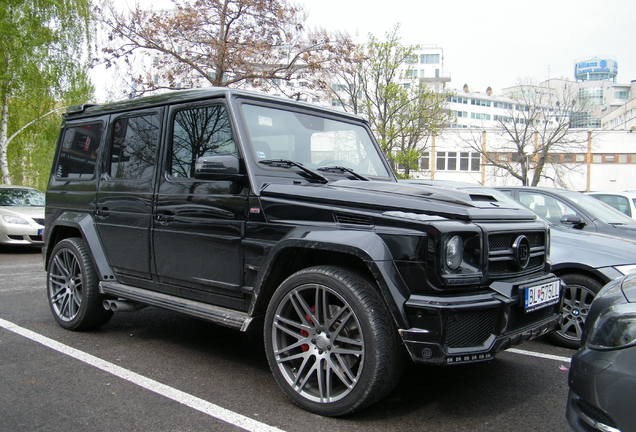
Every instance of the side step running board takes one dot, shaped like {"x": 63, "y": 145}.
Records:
{"x": 215, "y": 314}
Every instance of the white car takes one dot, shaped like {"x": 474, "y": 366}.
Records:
{"x": 21, "y": 215}
{"x": 625, "y": 202}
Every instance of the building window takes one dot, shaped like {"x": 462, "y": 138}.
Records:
{"x": 480, "y": 116}
{"x": 454, "y": 161}
{"x": 410, "y": 73}
{"x": 425, "y": 161}
{"x": 502, "y": 105}
{"x": 609, "y": 158}
{"x": 429, "y": 58}
{"x": 621, "y": 95}
{"x": 460, "y": 100}
{"x": 411, "y": 59}
{"x": 460, "y": 113}
{"x": 480, "y": 102}
{"x": 446, "y": 161}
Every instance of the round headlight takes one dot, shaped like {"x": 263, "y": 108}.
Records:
{"x": 454, "y": 252}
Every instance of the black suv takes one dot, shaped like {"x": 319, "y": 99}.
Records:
{"x": 231, "y": 206}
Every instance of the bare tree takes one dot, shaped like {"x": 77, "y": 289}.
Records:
{"x": 229, "y": 43}
{"x": 539, "y": 124}
{"x": 401, "y": 109}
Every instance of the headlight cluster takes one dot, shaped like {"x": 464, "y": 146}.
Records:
{"x": 461, "y": 254}
{"x": 614, "y": 328}
{"x": 454, "y": 252}
{"x": 14, "y": 220}
{"x": 626, "y": 269}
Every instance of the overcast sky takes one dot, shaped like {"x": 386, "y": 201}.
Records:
{"x": 495, "y": 42}
{"x": 491, "y": 42}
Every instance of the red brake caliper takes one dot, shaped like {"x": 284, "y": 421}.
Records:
{"x": 305, "y": 333}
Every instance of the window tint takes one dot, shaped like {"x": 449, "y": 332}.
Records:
{"x": 198, "y": 132}
{"x": 79, "y": 150}
{"x": 134, "y": 147}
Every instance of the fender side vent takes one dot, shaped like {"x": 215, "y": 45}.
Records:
{"x": 352, "y": 219}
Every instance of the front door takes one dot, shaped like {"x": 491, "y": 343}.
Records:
{"x": 199, "y": 224}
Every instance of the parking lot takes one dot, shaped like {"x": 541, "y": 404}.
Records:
{"x": 157, "y": 370}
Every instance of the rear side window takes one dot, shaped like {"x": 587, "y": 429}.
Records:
{"x": 134, "y": 147}
{"x": 79, "y": 150}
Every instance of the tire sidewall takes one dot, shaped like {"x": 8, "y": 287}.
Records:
{"x": 89, "y": 283}
{"x": 359, "y": 394}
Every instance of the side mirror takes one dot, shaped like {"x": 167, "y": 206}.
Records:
{"x": 574, "y": 220}
{"x": 218, "y": 167}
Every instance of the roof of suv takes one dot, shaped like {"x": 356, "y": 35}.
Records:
{"x": 189, "y": 95}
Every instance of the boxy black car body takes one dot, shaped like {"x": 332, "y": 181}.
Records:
{"x": 232, "y": 206}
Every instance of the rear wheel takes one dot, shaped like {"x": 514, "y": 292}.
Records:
{"x": 72, "y": 288}
{"x": 331, "y": 342}
{"x": 578, "y": 294}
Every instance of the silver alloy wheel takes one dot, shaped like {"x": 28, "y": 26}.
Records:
{"x": 66, "y": 284}
{"x": 577, "y": 300}
{"x": 318, "y": 343}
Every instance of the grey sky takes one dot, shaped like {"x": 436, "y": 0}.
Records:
{"x": 495, "y": 42}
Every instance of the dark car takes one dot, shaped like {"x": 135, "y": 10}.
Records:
{"x": 573, "y": 209}
{"x": 585, "y": 260}
{"x": 602, "y": 377}
{"x": 242, "y": 208}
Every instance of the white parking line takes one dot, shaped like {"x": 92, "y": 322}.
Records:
{"x": 147, "y": 383}
{"x": 540, "y": 355}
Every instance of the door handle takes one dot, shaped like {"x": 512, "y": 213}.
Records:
{"x": 102, "y": 213}
{"x": 164, "y": 219}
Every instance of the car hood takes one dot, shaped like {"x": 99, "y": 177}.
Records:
{"x": 592, "y": 249}
{"x": 399, "y": 199}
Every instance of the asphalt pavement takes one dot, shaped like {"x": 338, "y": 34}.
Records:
{"x": 154, "y": 370}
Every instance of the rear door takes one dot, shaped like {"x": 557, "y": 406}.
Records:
{"x": 199, "y": 223}
{"x": 125, "y": 194}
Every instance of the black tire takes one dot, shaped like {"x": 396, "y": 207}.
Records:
{"x": 330, "y": 341}
{"x": 72, "y": 287}
{"x": 578, "y": 294}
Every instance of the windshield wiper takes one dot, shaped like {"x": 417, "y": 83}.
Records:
{"x": 344, "y": 169}
{"x": 285, "y": 163}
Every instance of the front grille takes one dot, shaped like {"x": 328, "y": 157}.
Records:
{"x": 519, "y": 319}
{"x": 501, "y": 256}
{"x": 472, "y": 328}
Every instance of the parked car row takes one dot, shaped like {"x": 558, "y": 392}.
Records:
{"x": 599, "y": 302}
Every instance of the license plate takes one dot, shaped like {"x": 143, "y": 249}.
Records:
{"x": 541, "y": 296}
{"x": 40, "y": 232}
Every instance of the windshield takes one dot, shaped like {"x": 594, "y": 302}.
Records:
{"x": 315, "y": 142}
{"x": 598, "y": 209}
{"x": 21, "y": 197}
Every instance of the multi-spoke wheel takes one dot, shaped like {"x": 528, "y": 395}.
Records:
{"x": 72, "y": 287}
{"x": 330, "y": 341}
{"x": 578, "y": 294}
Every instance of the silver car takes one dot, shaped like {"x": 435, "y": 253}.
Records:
{"x": 21, "y": 215}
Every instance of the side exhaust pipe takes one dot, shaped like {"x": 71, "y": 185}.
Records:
{"x": 122, "y": 305}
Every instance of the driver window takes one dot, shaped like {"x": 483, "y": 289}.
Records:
{"x": 197, "y": 132}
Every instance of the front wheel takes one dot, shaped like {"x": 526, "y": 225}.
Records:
{"x": 72, "y": 289}
{"x": 578, "y": 294}
{"x": 331, "y": 342}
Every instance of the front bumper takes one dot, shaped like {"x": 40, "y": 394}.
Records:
{"x": 21, "y": 235}
{"x": 602, "y": 388}
{"x": 473, "y": 328}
